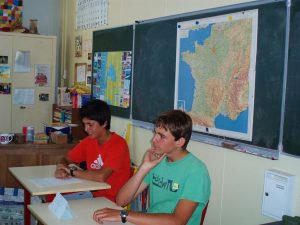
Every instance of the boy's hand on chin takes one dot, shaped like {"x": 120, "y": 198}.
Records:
{"x": 152, "y": 158}
{"x": 155, "y": 153}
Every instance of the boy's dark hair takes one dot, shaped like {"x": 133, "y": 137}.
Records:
{"x": 178, "y": 123}
{"x": 97, "y": 110}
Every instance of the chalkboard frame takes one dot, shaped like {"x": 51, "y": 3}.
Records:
{"x": 291, "y": 127}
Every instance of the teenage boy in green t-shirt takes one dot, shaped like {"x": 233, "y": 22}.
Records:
{"x": 179, "y": 183}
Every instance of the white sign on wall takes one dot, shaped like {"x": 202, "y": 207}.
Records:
{"x": 91, "y": 14}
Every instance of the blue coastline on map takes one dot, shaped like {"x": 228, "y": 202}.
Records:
{"x": 186, "y": 82}
{"x": 239, "y": 125}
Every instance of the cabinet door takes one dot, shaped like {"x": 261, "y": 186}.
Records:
{"x": 3, "y": 169}
{"x": 52, "y": 156}
{"x": 18, "y": 158}
{"x": 5, "y": 99}
{"x": 41, "y": 50}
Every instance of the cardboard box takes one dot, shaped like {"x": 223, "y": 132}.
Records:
{"x": 59, "y": 138}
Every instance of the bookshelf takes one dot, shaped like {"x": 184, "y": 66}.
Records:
{"x": 71, "y": 115}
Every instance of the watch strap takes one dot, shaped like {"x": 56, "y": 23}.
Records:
{"x": 72, "y": 169}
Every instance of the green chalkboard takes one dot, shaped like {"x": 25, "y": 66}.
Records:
{"x": 155, "y": 59}
{"x": 110, "y": 40}
{"x": 291, "y": 131}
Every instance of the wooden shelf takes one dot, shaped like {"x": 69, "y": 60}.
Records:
{"x": 77, "y": 132}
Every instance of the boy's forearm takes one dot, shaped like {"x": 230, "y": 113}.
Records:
{"x": 148, "y": 218}
{"x": 132, "y": 188}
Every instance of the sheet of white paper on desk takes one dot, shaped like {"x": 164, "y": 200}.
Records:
{"x": 60, "y": 208}
{"x": 52, "y": 181}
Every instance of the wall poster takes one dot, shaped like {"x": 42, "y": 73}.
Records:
{"x": 112, "y": 74}
{"x": 91, "y": 14}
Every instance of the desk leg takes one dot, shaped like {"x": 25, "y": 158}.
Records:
{"x": 27, "y": 200}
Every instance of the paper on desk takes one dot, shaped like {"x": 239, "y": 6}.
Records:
{"x": 52, "y": 181}
{"x": 60, "y": 208}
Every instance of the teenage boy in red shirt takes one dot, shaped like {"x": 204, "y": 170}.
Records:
{"x": 106, "y": 153}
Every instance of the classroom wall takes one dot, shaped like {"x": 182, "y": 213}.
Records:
{"x": 237, "y": 178}
{"x": 46, "y": 12}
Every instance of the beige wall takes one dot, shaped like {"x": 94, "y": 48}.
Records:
{"x": 237, "y": 178}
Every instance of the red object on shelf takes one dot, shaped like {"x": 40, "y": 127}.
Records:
{"x": 74, "y": 99}
{"x": 25, "y": 131}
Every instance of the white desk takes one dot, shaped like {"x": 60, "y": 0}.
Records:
{"x": 83, "y": 209}
{"x": 24, "y": 174}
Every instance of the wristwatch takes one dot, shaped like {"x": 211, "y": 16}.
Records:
{"x": 123, "y": 215}
{"x": 72, "y": 169}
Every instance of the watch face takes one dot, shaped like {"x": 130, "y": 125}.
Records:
{"x": 123, "y": 215}
{"x": 73, "y": 168}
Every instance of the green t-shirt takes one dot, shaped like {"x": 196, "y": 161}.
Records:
{"x": 169, "y": 182}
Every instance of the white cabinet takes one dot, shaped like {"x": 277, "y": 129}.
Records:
{"x": 278, "y": 194}
{"x": 41, "y": 51}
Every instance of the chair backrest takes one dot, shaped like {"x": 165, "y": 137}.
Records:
{"x": 203, "y": 214}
